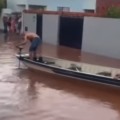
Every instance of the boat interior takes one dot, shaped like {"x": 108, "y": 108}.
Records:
{"x": 78, "y": 66}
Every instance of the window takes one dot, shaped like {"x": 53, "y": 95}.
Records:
{"x": 67, "y": 9}
{"x": 89, "y": 11}
{"x": 37, "y": 7}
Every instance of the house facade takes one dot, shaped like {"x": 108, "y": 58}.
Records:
{"x": 53, "y": 5}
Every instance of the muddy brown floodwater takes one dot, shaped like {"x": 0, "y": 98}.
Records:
{"x": 31, "y": 95}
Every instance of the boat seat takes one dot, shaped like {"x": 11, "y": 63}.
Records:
{"x": 105, "y": 74}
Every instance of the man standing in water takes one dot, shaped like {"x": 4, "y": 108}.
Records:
{"x": 35, "y": 43}
{"x": 5, "y": 23}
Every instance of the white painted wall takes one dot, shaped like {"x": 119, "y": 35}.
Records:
{"x": 12, "y": 4}
{"x": 101, "y": 36}
{"x": 30, "y": 21}
{"x": 50, "y": 29}
{"x": 16, "y": 5}
{"x": 53, "y": 4}
{"x": 75, "y": 5}
{"x": 89, "y": 4}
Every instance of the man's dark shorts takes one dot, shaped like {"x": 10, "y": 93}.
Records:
{"x": 35, "y": 44}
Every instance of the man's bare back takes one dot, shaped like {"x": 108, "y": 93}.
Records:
{"x": 30, "y": 36}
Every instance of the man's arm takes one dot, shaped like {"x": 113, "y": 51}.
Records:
{"x": 23, "y": 43}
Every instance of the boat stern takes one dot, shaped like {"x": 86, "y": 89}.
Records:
{"x": 22, "y": 56}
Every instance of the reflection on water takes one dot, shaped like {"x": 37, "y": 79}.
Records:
{"x": 31, "y": 95}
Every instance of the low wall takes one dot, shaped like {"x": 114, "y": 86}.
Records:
{"x": 55, "y": 29}
{"x": 50, "y": 29}
{"x": 101, "y": 36}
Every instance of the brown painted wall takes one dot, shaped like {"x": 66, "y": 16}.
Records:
{"x": 67, "y": 14}
{"x": 103, "y": 5}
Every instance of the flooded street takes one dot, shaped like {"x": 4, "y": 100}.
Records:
{"x": 31, "y": 95}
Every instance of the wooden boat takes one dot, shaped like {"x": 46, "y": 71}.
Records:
{"x": 79, "y": 70}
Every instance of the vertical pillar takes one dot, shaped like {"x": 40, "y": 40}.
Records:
{"x": 27, "y": 5}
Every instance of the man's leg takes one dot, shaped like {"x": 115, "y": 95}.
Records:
{"x": 35, "y": 47}
{"x": 31, "y": 52}
{"x": 35, "y": 54}
{"x": 31, "y": 55}
{"x": 36, "y": 51}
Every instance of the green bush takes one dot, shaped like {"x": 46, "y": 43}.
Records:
{"x": 113, "y": 12}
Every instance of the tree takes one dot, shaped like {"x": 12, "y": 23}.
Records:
{"x": 113, "y": 12}
{"x": 2, "y": 4}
